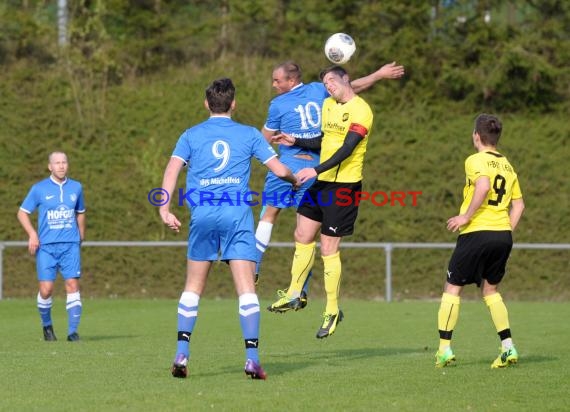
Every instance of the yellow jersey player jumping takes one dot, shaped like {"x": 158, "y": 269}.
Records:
{"x": 329, "y": 205}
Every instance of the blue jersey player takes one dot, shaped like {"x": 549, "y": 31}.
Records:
{"x": 218, "y": 153}
{"x": 61, "y": 228}
{"x": 296, "y": 111}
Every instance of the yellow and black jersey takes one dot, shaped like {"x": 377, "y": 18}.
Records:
{"x": 493, "y": 214}
{"x": 338, "y": 120}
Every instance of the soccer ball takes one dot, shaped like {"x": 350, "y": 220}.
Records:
{"x": 339, "y": 48}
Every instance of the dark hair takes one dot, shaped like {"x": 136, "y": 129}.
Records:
{"x": 489, "y": 129}
{"x": 332, "y": 69}
{"x": 220, "y": 95}
{"x": 291, "y": 69}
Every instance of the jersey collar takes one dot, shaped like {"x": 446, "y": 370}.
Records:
{"x": 56, "y": 182}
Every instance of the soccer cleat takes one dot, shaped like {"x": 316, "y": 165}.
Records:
{"x": 329, "y": 324}
{"x": 49, "y": 334}
{"x": 74, "y": 337}
{"x": 180, "y": 366}
{"x": 445, "y": 358}
{"x": 506, "y": 358}
{"x": 254, "y": 370}
{"x": 284, "y": 303}
{"x": 303, "y": 299}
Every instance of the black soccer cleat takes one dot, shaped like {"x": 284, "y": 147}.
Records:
{"x": 74, "y": 337}
{"x": 304, "y": 299}
{"x": 179, "y": 368}
{"x": 331, "y": 320}
{"x": 284, "y": 303}
{"x": 49, "y": 334}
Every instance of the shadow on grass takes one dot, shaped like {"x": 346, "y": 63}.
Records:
{"x": 96, "y": 338}
{"x": 522, "y": 360}
{"x": 334, "y": 357}
{"x": 307, "y": 360}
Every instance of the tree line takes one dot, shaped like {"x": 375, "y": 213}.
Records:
{"x": 504, "y": 55}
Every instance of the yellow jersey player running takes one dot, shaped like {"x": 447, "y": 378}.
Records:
{"x": 330, "y": 203}
{"x": 491, "y": 210}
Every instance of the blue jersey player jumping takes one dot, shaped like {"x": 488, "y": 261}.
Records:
{"x": 296, "y": 111}
{"x": 218, "y": 153}
{"x": 61, "y": 228}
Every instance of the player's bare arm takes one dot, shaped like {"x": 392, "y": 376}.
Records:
{"x": 168, "y": 183}
{"x": 282, "y": 171}
{"x": 388, "y": 71}
{"x": 517, "y": 208}
{"x": 269, "y": 134}
{"x": 283, "y": 139}
{"x": 81, "y": 225}
{"x": 482, "y": 187}
{"x": 33, "y": 239}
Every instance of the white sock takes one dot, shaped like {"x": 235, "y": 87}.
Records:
{"x": 263, "y": 235}
{"x": 507, "y": 343}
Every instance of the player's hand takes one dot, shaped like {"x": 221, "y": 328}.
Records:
{"x": 284, "y": 139}
{"x": 297, "y": 185}
{"x": 391, "y": 71}
{"x": 306, "y": 174}
{"x": 170, "y": 220}
{"x": 455, "y": 222}
{"x": 33, "y": 244}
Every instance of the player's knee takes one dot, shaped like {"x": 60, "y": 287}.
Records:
{"x": 488, "y": 289}
{"x": 45, "y": 292}
{"x": 270, "y": 214}
{"x": 72, "y": 285}
{"x": 301, "y": 236}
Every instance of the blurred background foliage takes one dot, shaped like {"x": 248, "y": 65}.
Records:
{"x": 501, "y": 54}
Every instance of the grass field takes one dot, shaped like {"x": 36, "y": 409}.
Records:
{"x": 381, "y": 358}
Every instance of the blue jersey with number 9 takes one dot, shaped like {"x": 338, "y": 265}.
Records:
{"x": 218, "y": 152}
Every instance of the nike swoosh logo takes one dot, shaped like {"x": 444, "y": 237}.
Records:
{"x": 50, "y": 197}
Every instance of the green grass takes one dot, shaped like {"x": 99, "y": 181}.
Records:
{"x": 381, "y": 358}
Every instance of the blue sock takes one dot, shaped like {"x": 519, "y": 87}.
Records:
{"x": 44, "y": 307}
{"x": 73, "y": 307}
{"x": 249, "y": 316}
{"x": 187, "y": 315}
{"x": 306, "y": 284}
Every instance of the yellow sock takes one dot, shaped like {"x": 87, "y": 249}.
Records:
{"x": 498, "y": 311}
{"x": 447, "y": 318}
{"x": 332, "y": 269}
{"x": 302, "y": 263}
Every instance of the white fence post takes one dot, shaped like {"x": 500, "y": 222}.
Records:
{"x": 388, "y": 251}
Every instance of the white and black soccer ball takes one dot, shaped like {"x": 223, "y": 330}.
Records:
{"x": 339, "y": 48}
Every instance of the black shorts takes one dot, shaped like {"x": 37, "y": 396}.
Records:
{"x": 480, "y": 255}
{"x": 333, "y": 204}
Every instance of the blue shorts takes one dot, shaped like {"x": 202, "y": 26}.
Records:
{"x": 227, "y": 230}
{"x": 279, "y": 193}
{"x": 64, "y": 257}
